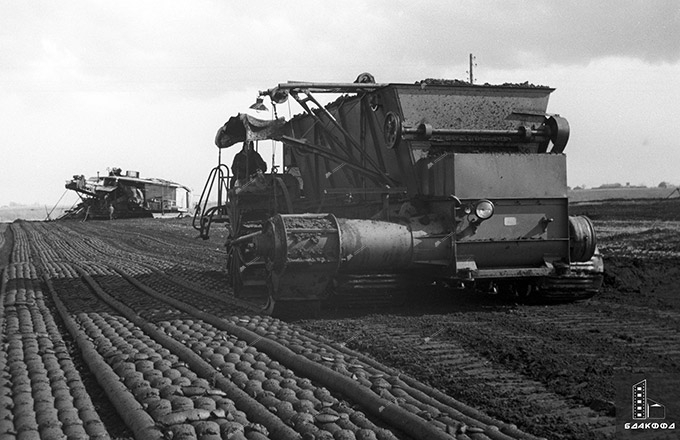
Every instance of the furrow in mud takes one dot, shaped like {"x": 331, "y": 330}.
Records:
{"x": 443, "y": 359}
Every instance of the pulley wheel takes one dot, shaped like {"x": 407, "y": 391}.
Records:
{"x": 392, "y": 130}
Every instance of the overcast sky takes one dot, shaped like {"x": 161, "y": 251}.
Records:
{"x": 144, "y": 85}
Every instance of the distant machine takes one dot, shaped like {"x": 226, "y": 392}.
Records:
{"x": 127, "y": 196}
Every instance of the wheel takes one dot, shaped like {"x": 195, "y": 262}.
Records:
{"x": 392, "y": 130}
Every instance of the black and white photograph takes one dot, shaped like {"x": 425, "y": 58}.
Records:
{"x": 315, "y": 220}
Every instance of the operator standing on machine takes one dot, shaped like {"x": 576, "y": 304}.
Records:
{"x": 246, "y": 163}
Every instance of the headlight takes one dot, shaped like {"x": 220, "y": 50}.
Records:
{"x": 484, "y": 209}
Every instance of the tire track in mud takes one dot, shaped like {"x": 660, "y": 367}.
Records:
{"x": 544, "y": 368}
{"x": 509, "y": 386}
{"x": 613, "y": 332}
{"x": 440, "y": 357}
{"x": 670, "y": 317}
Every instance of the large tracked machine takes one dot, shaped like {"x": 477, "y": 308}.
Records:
{"x": 396, "y": 187}
{"x": 119, "y": 195}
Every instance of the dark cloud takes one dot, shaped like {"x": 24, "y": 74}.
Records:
{"x": 210, "y": 47}
{"x": 509, "y": 34}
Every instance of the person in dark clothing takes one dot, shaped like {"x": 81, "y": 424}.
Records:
{"x": 246, "y": 163}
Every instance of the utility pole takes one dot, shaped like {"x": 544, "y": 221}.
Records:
{"x": 472, "y": 77}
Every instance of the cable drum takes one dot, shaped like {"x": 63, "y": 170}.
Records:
{"x": 582, "y": 241}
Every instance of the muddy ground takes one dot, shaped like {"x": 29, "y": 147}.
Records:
{"x": 543, "y": 366}
{"x": 548, "y": 369}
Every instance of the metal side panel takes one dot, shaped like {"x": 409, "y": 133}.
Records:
{"x": 512, "y": 254}
{"x": 494, "y": 175}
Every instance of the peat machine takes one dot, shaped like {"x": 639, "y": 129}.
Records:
{"x": 394, "y": 187}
